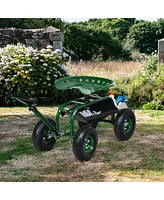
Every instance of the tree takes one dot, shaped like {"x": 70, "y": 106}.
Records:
{"x": 118, "y": 27}
{"x": 160, "y": 25}
{"x": 29, "y": 23}
{"x": 143, "y": 36}
{"x": 83, "y": 42}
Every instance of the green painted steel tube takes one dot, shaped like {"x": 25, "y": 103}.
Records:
{"x": 60, "y": 110}
{"x": 38, "y": 114}
{"x": 42, "y": 118}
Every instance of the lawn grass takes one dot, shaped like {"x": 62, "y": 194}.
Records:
{"x": 138, "y": 159}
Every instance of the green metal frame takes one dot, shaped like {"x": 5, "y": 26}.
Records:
{"x": 87, "y": 85}
{"x": 80, "y": 105}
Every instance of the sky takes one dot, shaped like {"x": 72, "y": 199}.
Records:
{"x": 82, "y": 9}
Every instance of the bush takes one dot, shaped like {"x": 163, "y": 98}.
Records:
{"x": 153, "y": 106}
{"x": 26, "y": 70}
{"x": 146, "y": 89}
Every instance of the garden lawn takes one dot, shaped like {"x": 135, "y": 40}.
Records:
{"x": 138, "y": 159}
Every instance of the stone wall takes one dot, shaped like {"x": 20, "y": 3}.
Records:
{"x": 37, "y": 38}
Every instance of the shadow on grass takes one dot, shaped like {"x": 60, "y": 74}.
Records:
{"x": 139, "y": 155}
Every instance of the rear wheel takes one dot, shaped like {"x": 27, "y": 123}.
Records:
{"x": 42, "y": 136}
{"x": 124, "y": 124}
{"x": 85, "y": 143}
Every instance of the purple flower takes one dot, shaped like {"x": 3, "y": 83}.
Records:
{"x": 58, "y": 51}
{"x": 65, "y": 55}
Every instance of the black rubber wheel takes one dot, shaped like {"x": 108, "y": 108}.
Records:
{"x": 93, "y": 124}
{"x": 85, "y": 143}
{"x": 124, "y": 124}
{"x": 42, "y": 139}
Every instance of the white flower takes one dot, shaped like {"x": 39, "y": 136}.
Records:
{"x": 30, "y": 51}
{"x": 12, "y": 61}
{"x": 60, "y": 57}
{"x": 35, "y": 83}
{"x": 49, "y": 84}
{"x": 58, "y": 51}
{"x": 45, "y": 64}
{"x": 23, "y": 65}
{"x": 49, "y": 47}
{"x": 27, "y": 54}
{"x": 5, "y": 67}
{"x": 34, "y": 51}
{"x": 1, "y": 77}
{"x": 42, "y": 50}
{"x": 64, "y": 69}
{"x": 19, "y": 51}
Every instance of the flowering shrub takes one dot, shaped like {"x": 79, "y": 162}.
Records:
{"x": 146, "y": 89}
{"x": 27, "y": 70}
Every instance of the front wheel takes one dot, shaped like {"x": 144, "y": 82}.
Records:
{"x": 124, "y": 124}
{"x": 42, "y": 136}
{"x": 85, "y": 143}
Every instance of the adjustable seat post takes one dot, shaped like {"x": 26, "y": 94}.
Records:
{"x": 86, "y": 98}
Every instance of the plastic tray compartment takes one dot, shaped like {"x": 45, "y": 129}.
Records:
{"x": 106, "y": 107}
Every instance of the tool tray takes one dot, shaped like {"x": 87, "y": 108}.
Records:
{"x": 105, "y": 106}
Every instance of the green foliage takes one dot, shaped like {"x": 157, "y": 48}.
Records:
{"x": 87, "y": 43}
{"x": 27, "y": 70}
{"x": 143, "y": 36}
{"x": 153, "y": 106}
{"x": 145, "y": 90}
{"x": 118, "y": 27}
{"x": 29, "y": 23}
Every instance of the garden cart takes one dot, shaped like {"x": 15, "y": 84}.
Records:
{"x": 88, "y": 111}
